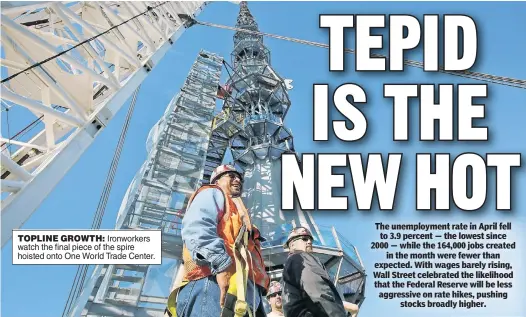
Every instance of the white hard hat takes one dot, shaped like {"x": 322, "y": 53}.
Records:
{"x": 297, "y": 232}
{"x": 221, "y": 170}
{"x": 275, "y": 287}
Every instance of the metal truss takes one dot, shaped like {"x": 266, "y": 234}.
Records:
{"x": 251, "y": 124}
{"x": 73, "y": 97}
{"x": 255, "y": 105}
{"x": 157, "y": 197}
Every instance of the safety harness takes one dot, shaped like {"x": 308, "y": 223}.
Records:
{"x": 235, "y": 300}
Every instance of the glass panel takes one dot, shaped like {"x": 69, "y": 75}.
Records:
{"x": 159, "y": 278}
{"x": 279, "y": 237}
{"x": 327, "y": 236}
{"x": 348, "y": 248}
{"x": 178, "y": 201}
{"x": 275, "y": 153}
{"x": 348, "y": 290}
{"x": 333, "y": 270}
{"x": 261, "y": 153}
{"x": 173, "y": 224}
{"x": 352, "y": 281}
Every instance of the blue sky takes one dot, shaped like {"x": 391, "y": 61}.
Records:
{"x": 501, "y": 52}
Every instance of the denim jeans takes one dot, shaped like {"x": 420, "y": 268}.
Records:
{"x": 201, "y": 299}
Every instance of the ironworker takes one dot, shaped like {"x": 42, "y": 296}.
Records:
{"x": 223, "y": 270}
{"x": 307, "y": 287}
{"x": 274, "y": 299}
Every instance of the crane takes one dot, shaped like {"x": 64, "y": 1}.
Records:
{"x": 71, "y": 66}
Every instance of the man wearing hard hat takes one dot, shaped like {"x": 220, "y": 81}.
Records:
{"x": 307, "y": 287}
{"x": 274, "y": 299}
{"x": 224, "y": 273}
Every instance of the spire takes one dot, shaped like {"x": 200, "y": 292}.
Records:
{"x": 245, "y": 20}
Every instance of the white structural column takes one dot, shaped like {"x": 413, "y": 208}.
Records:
{"x": 76, "y": 94}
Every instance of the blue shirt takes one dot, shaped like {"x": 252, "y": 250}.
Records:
{"x": 200, "y": 236}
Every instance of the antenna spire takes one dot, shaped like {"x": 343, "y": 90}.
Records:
{"x": 245, "y": 20}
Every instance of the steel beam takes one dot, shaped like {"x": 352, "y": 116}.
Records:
{"x": 98, "y": 103}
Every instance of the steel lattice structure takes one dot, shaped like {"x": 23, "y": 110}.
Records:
{"x": 76, "y": 94}
{"x": 157, "y": 196}
{"x": 252, "y": 125}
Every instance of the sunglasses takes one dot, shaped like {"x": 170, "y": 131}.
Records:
{"x": 234, "y": 176}
{"x": 275, "y": 294}
{"x": 304, "y": 239}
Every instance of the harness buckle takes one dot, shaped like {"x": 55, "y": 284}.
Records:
{"x": 241, "y": 308}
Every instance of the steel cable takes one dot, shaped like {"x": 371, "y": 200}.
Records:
{"x": 79, "y": 44}
{"x": 513, "y": 82}
{"x": 82, "y": 270}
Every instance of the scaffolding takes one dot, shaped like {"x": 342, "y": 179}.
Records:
{"x": 186, "y": 145}
{"x": 156, "y": 199}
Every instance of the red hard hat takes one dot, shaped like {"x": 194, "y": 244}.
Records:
{"x": 221, "y": 170}
{"x": 297, "y": 232}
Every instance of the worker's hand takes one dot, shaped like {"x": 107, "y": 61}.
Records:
{"x": 223, "y": 280}
{"x": 351, "y": 308}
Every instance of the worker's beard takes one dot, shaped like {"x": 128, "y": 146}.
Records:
{"x": 297, "y": 247}
{"x": 235, "y": 190}
{"x": 278, "y": 305}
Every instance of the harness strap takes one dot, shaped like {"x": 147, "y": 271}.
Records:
{"x": 240, "y": 257}
{"x": 179, "y": 283}
{"x": 235, "y": 305}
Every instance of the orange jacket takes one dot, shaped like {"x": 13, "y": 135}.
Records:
{"x": 229, "y": 225}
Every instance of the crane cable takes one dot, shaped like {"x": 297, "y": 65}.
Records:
{"x": 80, "y": 276}
{"x": 507, "y": 81}
{"x": 149, "y": 8}
{"x": 80, "y": 43}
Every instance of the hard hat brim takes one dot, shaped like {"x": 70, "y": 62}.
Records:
{"x": 286, "y": 244}
{"x": 270, "y": 294}
{"x": 223, "y": 173}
